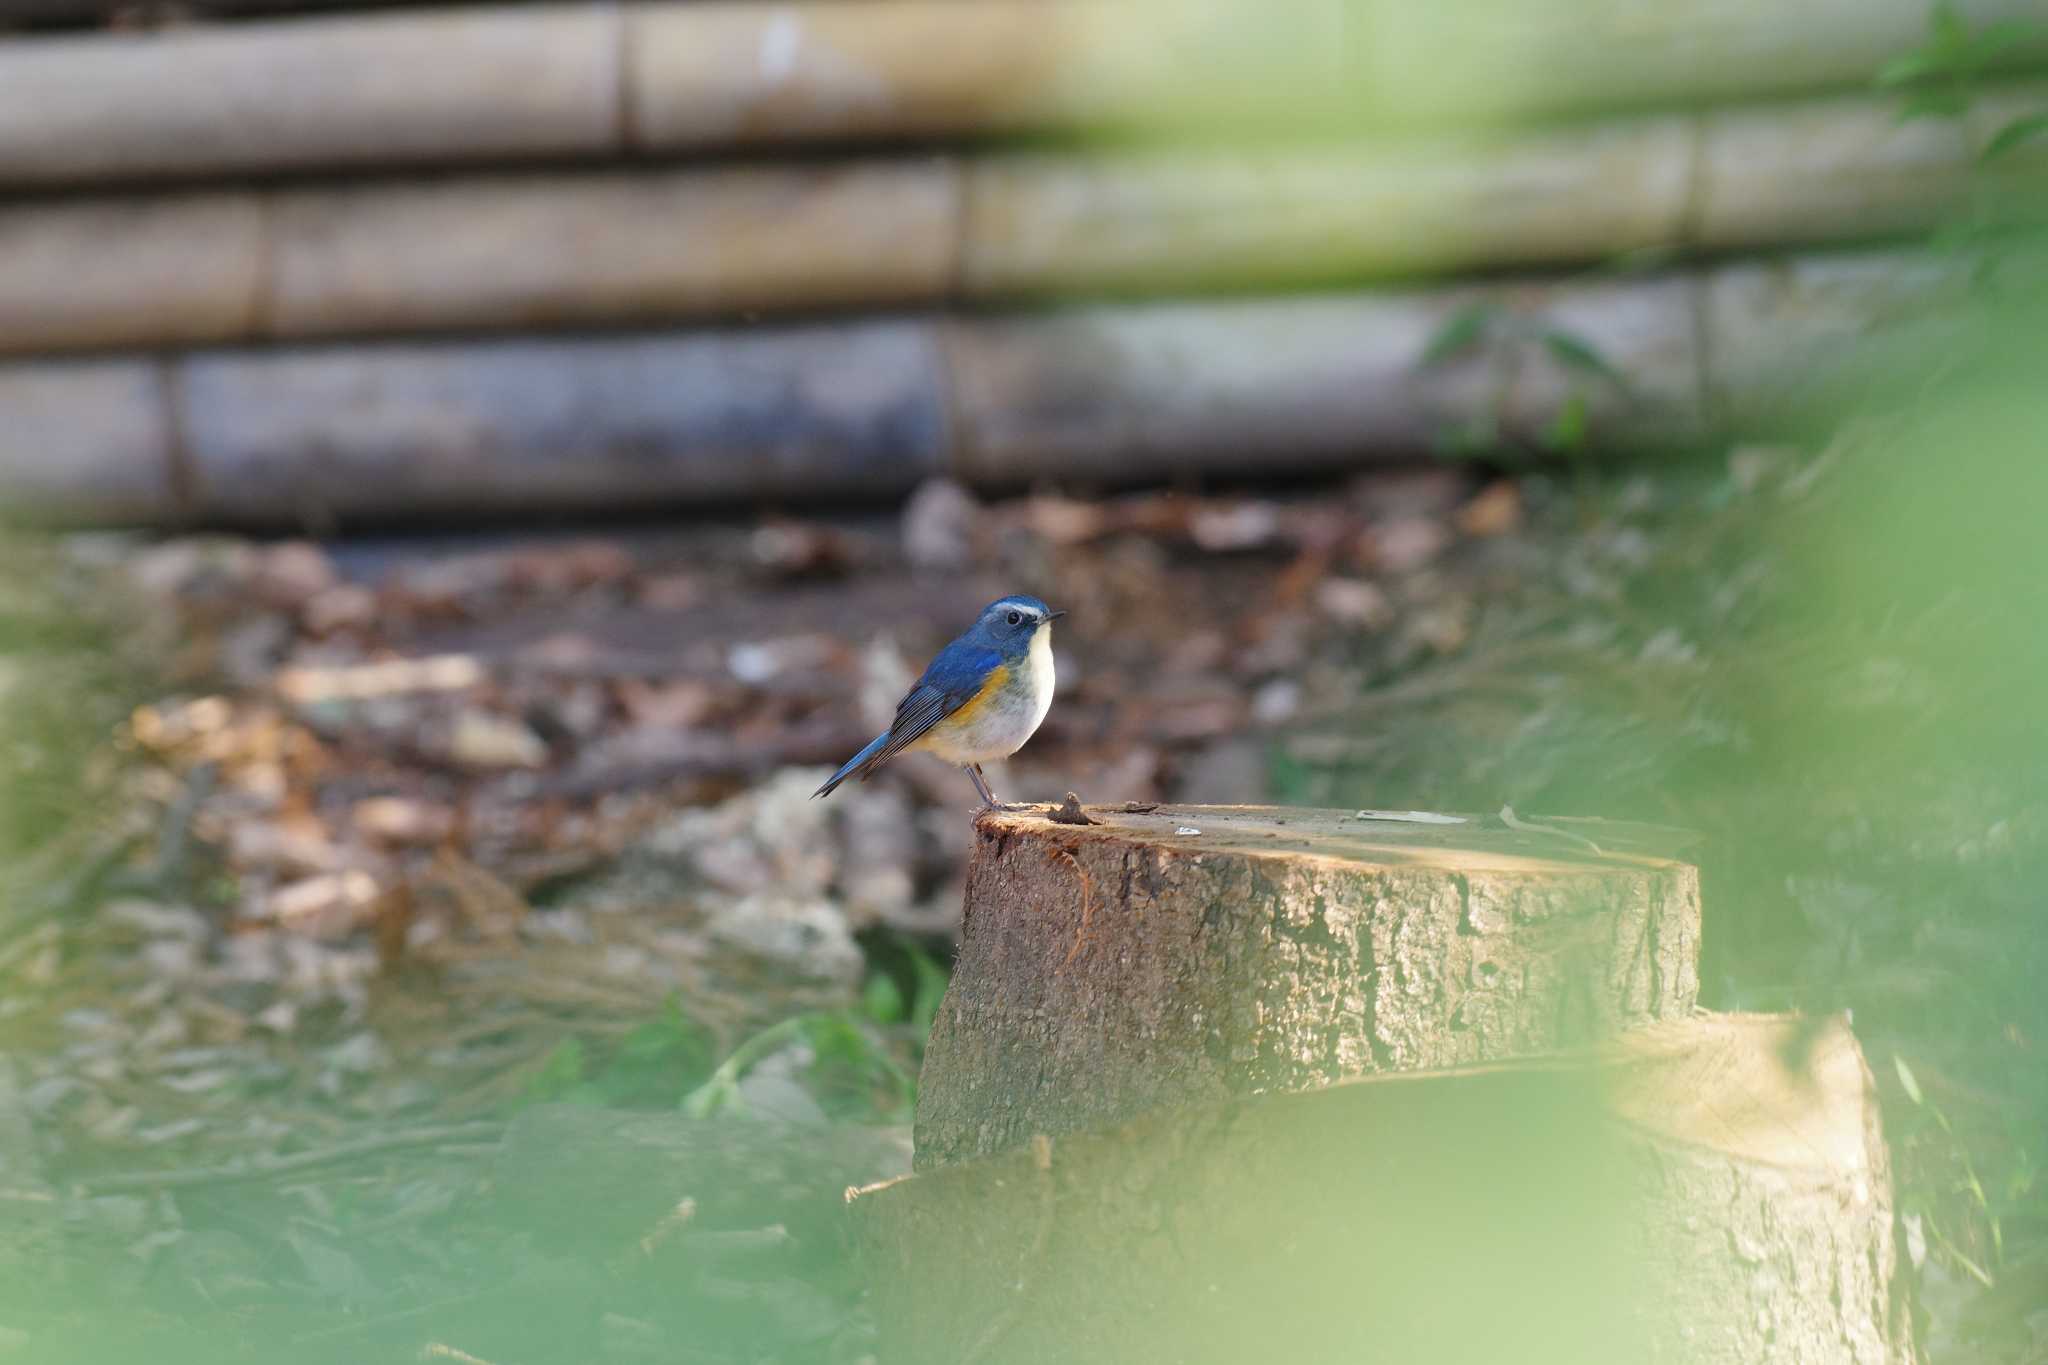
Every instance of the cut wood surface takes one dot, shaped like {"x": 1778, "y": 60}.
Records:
{"x": 384, "y": 431}
{"x": 498, "y": 82}
{"x": 1186, "y": 954}
{"x": 616, "y": 245}
{"x": 1709, "y": 1190}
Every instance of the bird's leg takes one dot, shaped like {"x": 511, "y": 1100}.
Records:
{"x": 988, "y": 798}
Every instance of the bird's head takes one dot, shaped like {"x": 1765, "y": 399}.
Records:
{"x": 1011, "y": 622}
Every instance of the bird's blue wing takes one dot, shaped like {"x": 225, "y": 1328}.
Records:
{"x": 953, "y": 680}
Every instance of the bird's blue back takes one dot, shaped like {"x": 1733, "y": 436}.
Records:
{"x": 959, "y": 669}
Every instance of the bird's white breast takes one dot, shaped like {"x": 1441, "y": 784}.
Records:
{"x": 1038, "y": 664}
{"x": 998, "y": 727}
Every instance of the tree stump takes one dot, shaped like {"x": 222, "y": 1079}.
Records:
{"x": 1711, "y": 1190}
{"x": 1181, "y": 955}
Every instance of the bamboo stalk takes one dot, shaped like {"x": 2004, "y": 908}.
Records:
{"x": 727, "y": 74}
{"x": 153, "y": 271}
{"x": 350, "y": 90}
{"x": 501, "y": 251}
{"x": 1781, "y": 337}
{"x": 1856, "y": 167}
{"x": 86, "y": 441}
{"x": 1124, "y": 222}
{"x": 1130, "y": 393}
{"x": 1111, "y": 394}
{"x": 639, "y": 246}
{"x": 507, "y": 82}
{"x": 398, "y": 431}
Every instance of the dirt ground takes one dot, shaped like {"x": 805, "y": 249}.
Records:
{"x": 330, "y": 865}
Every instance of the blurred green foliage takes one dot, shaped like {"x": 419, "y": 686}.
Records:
{"x": 69, "y": 674}
{"x": 648, "y": 1066}
{"x": 859, "y": 1063}
{"x": 1940, "y": 77}
{"x": 1506, "y": 339}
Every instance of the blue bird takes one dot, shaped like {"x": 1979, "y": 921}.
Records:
{"x": 982, "y": 697}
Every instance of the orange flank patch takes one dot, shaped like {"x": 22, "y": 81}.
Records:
{"x": 997, "y": 676}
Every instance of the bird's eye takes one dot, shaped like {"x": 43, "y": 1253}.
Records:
{"x": 1016, "y": 618}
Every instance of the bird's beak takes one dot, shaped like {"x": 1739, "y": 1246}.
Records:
{"x": 1053, "y": 616}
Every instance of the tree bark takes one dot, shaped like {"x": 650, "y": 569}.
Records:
{"x": 1710, "y": 1190}
{"x": 1188, "y": 954}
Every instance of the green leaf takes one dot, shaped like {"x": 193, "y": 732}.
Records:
{"x": 1566, "y": 432}
{"x": 1907, "y": 1079}
{"x": 1477, "y": 436}
{"x": 1579, "y": 354}
{"x": 559, "y": 1074}
{"x": 1637, "y": 260}
{"x": 1995, "y": 38}
{"x": 1904, "y": 70}
{"x": 932, "y": 980}
{"x": 2013, "y": 134}
{"x": 1940, "y": 102}
{"x": 1957, "y": 235}
{"x": 1947, "y": 28}
{"x": 882, "y": 998}
{"x": 2020, "y": 1183}
{"x": 1460, "y": 332}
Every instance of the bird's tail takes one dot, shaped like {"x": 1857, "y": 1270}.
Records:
{"x": 857, "y": 764}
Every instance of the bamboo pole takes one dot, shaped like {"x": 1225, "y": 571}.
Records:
{"x": 150, "y": 271}
{"x": 1150, "y": 221}
{"x": 637, "y": 246}
{"x": 503, "y": 251}
{"x": 402, "y": 431}
{"x": 1284, "y": 385}
{"x": 379, "y": 432}
{"x": 543, "y": 81}
{"x": 1784, "y": 337}
{"x": 733, "y": 74}
{"x": 86, "y": 441}
{"x": 343, "y": 91}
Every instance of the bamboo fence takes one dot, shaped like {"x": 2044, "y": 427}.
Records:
{"x": 1107, "y": 394}
{"x": 540, "y": 82}
{"x": 246, "y": 237}
{"x": 642, "y": 246}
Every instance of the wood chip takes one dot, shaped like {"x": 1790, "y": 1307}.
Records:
{"x": 1070, "y": 812}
